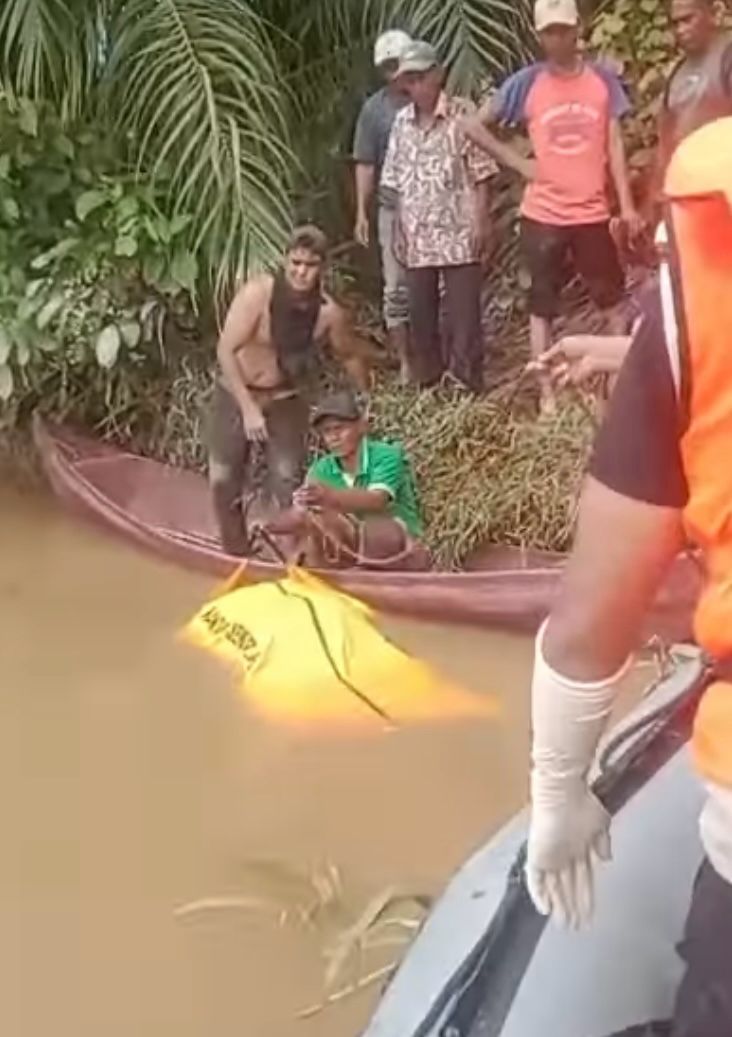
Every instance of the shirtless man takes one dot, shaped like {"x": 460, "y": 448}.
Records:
{"x": 699, "y": 88}
{"x": 269, "y": 362}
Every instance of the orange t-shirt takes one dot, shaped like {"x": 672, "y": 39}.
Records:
{"x": 568, "y": 120}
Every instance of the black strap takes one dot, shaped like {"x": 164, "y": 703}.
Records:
{"x": 293, "y": 323}
{"x": 682, "y": 323}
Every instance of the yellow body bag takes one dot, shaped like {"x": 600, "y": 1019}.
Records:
{"x": 307, "y": 652}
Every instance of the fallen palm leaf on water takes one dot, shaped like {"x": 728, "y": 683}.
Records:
{"x": 317, "y": 900}
{"x": 292, "y": 895}
{"x": 381, "y": 975}
{"x": 361, "y": 935}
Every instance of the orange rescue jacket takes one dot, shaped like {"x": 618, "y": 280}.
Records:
{"x": 697, "y": 294}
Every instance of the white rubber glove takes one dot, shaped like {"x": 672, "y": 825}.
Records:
{"x": 569, "y": 827}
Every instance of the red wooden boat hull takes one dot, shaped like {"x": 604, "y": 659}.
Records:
{"x": 167, "y": 511}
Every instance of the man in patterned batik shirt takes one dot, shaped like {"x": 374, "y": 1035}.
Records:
{"x": 444, "y": 205}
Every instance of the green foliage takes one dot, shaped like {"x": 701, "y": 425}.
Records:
{"x": 150, "y": 151}
{"x": 192, "y": 95}
{"x": 90, "y": 264}
{"x": 637, "y": 36}
{"x": 226, "y": 107}
{"x": 479, "y": 41}
{"x": 194, "y": 85}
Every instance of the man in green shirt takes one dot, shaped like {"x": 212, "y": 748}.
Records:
{"x": 359, "y": 504}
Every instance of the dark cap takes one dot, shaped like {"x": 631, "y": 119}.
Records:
{"x": 340, "y": 405}
{"x": 421, "y": 56}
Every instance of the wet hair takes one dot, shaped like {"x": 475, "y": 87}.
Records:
{"x": 309, "y": 238}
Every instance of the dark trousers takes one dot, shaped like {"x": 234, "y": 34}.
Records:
{"x": 704, "y": 1000}
{"x": 704, "y": 1004}
{"x": 461, "y": 351}
{"x": 231, "y": 456}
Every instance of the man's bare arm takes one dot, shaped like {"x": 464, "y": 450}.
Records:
{"x": 475, "y": 128}
{"x": 576, "y": 359}
{"x": 348, "y": 501}
{"x": 653, "y": 200}
{"x": 623, "y": 551}
{"x": 619, "y": 170}
{"x": 349, "y": 348}
{"x": 365, "y": 183}
{"x": 484, "y": 230}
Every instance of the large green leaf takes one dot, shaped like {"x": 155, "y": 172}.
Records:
{"x": 108, "y": 345}
{"x": 195, "y": 86}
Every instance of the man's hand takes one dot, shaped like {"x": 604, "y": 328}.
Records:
{"x": 567, "y": 833}
{"x": 362, "y": 230}
{"x": 313, "y": 495}
{"x": 577, "y": 359}
{"x": 255, "y": 424}
{"x": 528, "y": 168}
{"x": 484, "y": 239}
{"x": 569, "y": 828}
{"x": 635, "y": 224}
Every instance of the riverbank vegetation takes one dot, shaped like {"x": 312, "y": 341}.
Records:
{"x": 152, "y": 152}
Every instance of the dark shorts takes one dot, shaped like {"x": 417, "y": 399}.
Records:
{"x": 704, "y": 1004}
{"x": 591, "y": 252}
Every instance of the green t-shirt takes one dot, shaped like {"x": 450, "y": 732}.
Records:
{"x": 382, "y": 466}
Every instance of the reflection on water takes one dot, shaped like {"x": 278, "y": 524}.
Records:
{"x": 134, "y": 780}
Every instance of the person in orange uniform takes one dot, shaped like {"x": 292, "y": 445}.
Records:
{"x": 660, "y": 475}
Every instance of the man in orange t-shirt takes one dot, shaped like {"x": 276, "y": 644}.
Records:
{"x": 572, "y": 110}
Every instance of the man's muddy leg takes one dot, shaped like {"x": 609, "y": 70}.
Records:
{"x": 540, "y": 340}
{"x": 543, "y": 250}
{"x": 228, "y": 462}
{"x": 287, "y": 448}
{"x": 396, "y": 293}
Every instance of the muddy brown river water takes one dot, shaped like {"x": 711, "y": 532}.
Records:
{"x": 134, "y": 780}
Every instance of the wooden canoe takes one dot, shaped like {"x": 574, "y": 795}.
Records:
{"x": 167, "y": 511}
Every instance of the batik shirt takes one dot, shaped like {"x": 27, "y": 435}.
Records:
{"x": 435, "y": 171}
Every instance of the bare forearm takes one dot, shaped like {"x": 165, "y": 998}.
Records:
{"x": 365, "y": 182}
{"x": 234, "y": 379}
{"x": 484, "y": 200}
{"x": 504, "y": 153}
{"x": 607, "y": 352}
{"x": 619, "y": 169}
{"x": 661, "y": 157}
{"x": 361, "y": 501}
{"x": 623, "y": 551}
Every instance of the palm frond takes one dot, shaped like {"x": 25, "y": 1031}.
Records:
{"x": 194, "y": 87}
{"x": 49, "y": 50}
{"x": 479, "y": 40}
